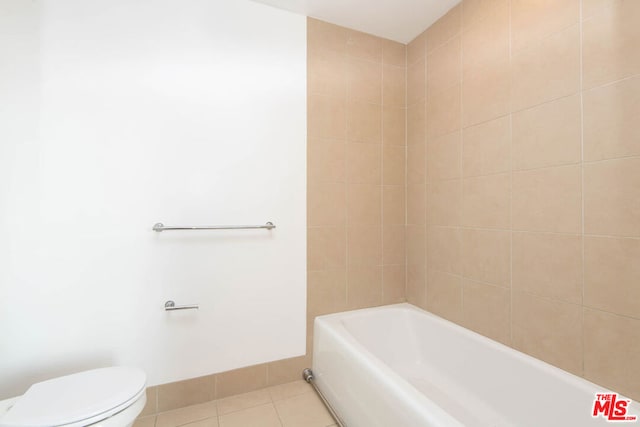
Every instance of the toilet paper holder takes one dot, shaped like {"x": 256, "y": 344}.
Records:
{"x": 171, "y": 305}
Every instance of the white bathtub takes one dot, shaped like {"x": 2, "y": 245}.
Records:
{"x": 400, "y": 366}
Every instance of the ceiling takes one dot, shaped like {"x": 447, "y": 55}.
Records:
{"x": 399, "y": 20}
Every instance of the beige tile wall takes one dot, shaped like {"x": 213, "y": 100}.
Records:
{"x": 523, "y": 181}
{"x": 356, "y": 167}
{"x": 357, "y": 170}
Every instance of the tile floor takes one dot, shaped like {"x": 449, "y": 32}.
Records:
{"x": 288, "y": 405}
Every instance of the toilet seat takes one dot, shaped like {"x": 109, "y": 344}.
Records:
{"x": 77, "y": 400}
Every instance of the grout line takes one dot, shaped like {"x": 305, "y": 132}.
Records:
{"x": 382, "y": 174}
{"x": 630, "y": 157}
{"x": 406, "y": 171}
{"x": 424, "y": 299}
{"x": 582, "y": 192}
{"x": 346, "y": 189}
{"x": 611, "y": 83}
{"x": 519, "y": 231}
{"x": 461, "y": 162}
{"x": 510, "y": 31}
{"x": 611, "y": 313}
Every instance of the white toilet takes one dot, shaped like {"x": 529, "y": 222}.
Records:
{"x": 107, "y": 397}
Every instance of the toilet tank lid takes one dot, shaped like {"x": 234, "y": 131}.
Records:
{"x": 73, "y": 398}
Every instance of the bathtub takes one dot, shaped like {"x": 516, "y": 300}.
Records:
{"x": 400, "y": 366}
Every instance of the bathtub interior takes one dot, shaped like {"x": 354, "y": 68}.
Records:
{"x": 476, "y": 380}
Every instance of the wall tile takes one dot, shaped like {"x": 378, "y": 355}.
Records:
{"x": 326, "y": 292}
{"x": 610, "y": 43}
{"x": 416, "y": 244}
{"x": 241, "y": 380}
{"x": 486, "y": 201}
{"x": 591, "y": 8}
{"x": 487, "y": 310}
{"x": 612, "y": 275}
{"x": 443, "y": 156}
{"x": 364, "y": 246}
{"x": 487, "y": 148}
{"x": 612, "y": 352}
{"x": 444, "y": 66}
{"x": 444, "y": 202}
{"x": 612, "y": 197}
{"x": 416, "y": 206}
{"x": 326, "y": 204}
{"x": 445, "y": 28}
{"x": 326, "y": 160}
{"x": 185, "y": 393}
{"x": 443, "y": 111}
{"x": 393, "y": 284}
{"x": 444, "y": 295}
{"x": 326, "y": 73}
{"x": 394, "y": 86}
{"x": 485, "y": 91}
{"x": 394, "y": 129}
{"x": 287, "y": 370}
{"x": 394, "y": 245}
{"x": 548, "y": 265}
{"x": 364, "y": 163}
{"x": 364, "y": 46}
{"x": 486, "y": 256}
{"x": 323, "y": 35}
{"x": 486, "y": 40}
{"x": 364, "y": 122}
{"x": 364, "y": 81}
{"x": 504, "y": 148}
{"x": 416, "y": 124}
{"x": 151, "y": 407}
{"x": 416, "y": 82}
{"x": 546, "y": 69}
{"x": 548, "y": 200}
{"x": 548, "y": 135}
{"x": 364, "y": 287}
{"x": 393, "y": 164}
{"x": 416, "y": 162}
{"x": 443, "y": 249}
{"x": 416, "y": 49}
{"x": 326, "y": 248}
{"x": 326, "y": 117}
{"x": 394, "y": 53}
{"x": 549, "y": 330}
{"x": 416, "y": 284}
{"x": 364, "y": 205}
{"x": 476, "y": 10}
{"x": 611, "y": 117}
{"x": 393, "y": 205}
{"x": 532, "y": 20}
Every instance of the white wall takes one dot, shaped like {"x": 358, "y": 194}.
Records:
{"x": 114, "y": 115}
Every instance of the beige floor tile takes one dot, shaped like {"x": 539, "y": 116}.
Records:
{"x": 189, "y": 414}
{"x": 304, "y": 410}
{"x": 145, "y": 422}
{"x": 259, "y": 416}
{"x": 284, "y": 391}
{"x": 208, "y": 422}
{"x": 243, "y": 401}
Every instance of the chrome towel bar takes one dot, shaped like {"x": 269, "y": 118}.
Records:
{"x": 170, "y": 306}
{"x": 161, "y": 227}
